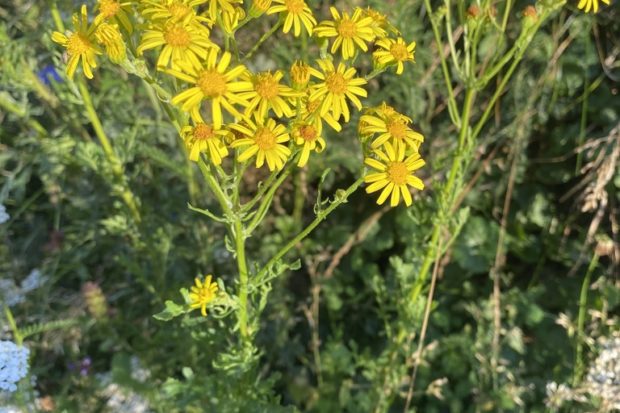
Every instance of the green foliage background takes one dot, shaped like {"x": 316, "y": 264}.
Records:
{"x": 556, "y": 117}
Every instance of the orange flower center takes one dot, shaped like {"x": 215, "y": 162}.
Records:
{"x": 294, "y": 6}
{"x": 203, "y": 132}
{"x": 266, "y": 86}
{"x": 109, "y": 8}
{"x": 308, "y": 133}
{"x": 397, "y": 129}
{"x": 78, "y": 44}
{"x": 336, "y": 83}
{"x": 398, "y": 173}
{"x": 399, "y": 51}
{"x": 265, "y": 139}
{"x": 347, "y": 29}
{"x": 177, "y": 36}
{"x": 211, "y": 83}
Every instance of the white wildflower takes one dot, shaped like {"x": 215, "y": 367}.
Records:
{"x": 10, "y": 293}
{"x": 603, "y": 379}
{"x": 13, "y": 364}
{"x": 33, "y": 281}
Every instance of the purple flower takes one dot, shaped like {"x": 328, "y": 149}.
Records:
{"x": 47, "y": 74}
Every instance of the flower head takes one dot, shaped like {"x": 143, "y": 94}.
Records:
{"x": 296, "y": 13}
{"x": 202, "y": 293}
{"x": 380, "y": 23}
{"x": 263, "y": 139}
{"x": 110, "y": 37}
{"x": 172, "y": 10}
{"x": 590, "y": 5}
{"x": 338, "y": 85}
{"x": 184, "y": 43}
{"x": 221, "y": 6}
{"x": 205, "y": 138}
{"x": 13, "y": 365}
{"x": 215, "y": 83}
{"x": 394, "y": 52}
{"x": 231, "y": 19}
{"x": 267, "y": 93}
{"x": 80, "y": 44}
{"x": 259, "y": 7}
{"x": 394, "y": 174}
{"x": 307, "y": 134}
{"x": 114, "y": 11}
{"x": 349, "y": 31}
{"x": 300, "y": 74}
{"x": 390, "y": 126}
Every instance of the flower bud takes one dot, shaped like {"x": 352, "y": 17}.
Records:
{"x": 259, "y": 7}
{"x": 300, "y": 74}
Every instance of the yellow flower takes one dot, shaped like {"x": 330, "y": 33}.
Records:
{"x": 395, "y": 174}
{"x": 587, "y": 5}
{"x": 296, "y": 13}
{"x": 337, "y": 85}
{"x": 115, "y": 11}
{"x": 300, "y": 74}
{"x": 394, "y": 128}
{"x": 267, "y": 93}
{"x": 259, "y": 7}
{"x": 202, "y": 294}
{"x": 110, "y": 37}
{"x": 172, "y": 10}
{"x": 183, "y": 43}
{"x": 308, "y": 135}
{"x": 230, "y": 19}
{"x": 227, "y": 6}
{"x": 380, "y": 23}
{"x": 394, "y": 52}
{"x": 265, "y": 141}
{"x": 310, "y": 111}
{"x": 80, "y": 45}
{"x": 348, "y": 31}
{"x": 205, "y": 138}
{"x": 212, "y": 82}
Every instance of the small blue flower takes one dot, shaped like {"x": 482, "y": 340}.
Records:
{"x": 13, "y": 365}
{"x": 47, "y": 74}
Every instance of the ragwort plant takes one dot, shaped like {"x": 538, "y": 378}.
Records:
{"x": 230, "y": 118}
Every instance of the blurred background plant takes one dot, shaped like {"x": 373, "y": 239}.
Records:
{"x": 496, "y": 291}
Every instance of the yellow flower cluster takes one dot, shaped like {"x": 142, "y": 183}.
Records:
{"x": 270, "y": 117}
{"x": 395, "y": 154}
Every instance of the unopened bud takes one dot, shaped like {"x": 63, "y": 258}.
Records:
{"x": 259, "y": 7}
{"x": 473, "y": 11}
{"x": 300, "y": 74}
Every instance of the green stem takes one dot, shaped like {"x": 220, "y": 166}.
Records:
{"x": 581, "y": 320}
{"x": 452, "y": 108}
{"x": 115, "y": 163}
{"x": 262, "y": 40}
{"x": 266, "y": 203}
{"x": 243, "y": 279}
{"x": 341, "y": 198}
{"x": 446, "y": 197}
{"x": 19, "y": 339}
